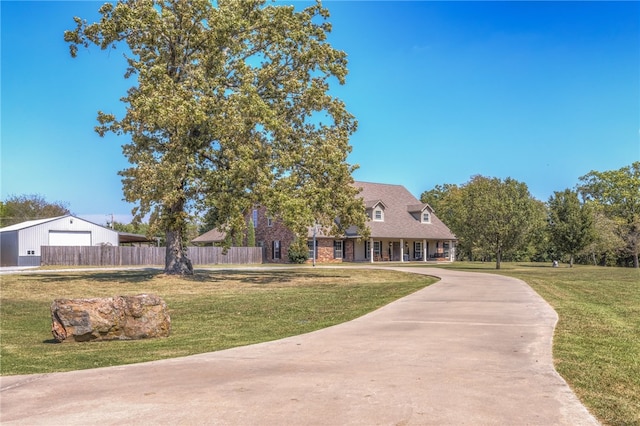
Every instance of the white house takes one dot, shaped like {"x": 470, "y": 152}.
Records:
{"x": 20, "y": 243}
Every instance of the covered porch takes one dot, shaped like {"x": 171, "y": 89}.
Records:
{"x": 405, "y": 250}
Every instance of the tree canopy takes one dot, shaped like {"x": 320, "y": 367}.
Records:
{"x": 617, "y": 194}
{"x": 20, "y": 208}
{"x": 571, "y": 223}
{"x": 597, "y": 222}
{"x": 486, "y": 214}
{"x": 229, "y": 108}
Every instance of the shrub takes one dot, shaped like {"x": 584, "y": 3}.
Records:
{"x": 298, "y": 251}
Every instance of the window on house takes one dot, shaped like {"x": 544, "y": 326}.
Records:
{"x": 269, "y": 221}
{"x": 417, "y": 250}
{"x": 275, "y": 249}
{"x": 377, "y": 248}
{"x": 337, "y": 249}
{"x": 426, "y": 217}
{"x": 255, "y": 218}
{"x": 378, "y": 215}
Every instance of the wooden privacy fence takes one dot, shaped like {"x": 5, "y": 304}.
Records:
{"x": 125, "y": 255}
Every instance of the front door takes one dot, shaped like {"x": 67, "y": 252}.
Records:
{"x": 395, "y": 252}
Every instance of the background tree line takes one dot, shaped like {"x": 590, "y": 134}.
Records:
{"x": 21, "y": 208}
{"x": 597, "y": 222}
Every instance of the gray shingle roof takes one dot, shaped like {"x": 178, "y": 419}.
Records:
{"x": 399, "y": 222}
{"x": 212, "y": 236}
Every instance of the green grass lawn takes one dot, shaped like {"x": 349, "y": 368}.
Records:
{"x": 596, "y": 345}
{"x": 211, "y": 311}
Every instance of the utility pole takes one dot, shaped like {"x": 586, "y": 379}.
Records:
{"x": 315, "y": 226}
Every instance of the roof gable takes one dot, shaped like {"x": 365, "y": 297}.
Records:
{"x": 30, "y": 223}
{"x": 211, "y": 236}
{"x": 375, "y": 203}
{"x": 400, "y": 218}
{"x": 419, "y": 208}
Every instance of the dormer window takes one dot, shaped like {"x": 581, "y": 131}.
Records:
{"x": 421, "y": 212}
{"x": 375, "y": 210}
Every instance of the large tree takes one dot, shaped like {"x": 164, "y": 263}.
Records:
{"x": 501, "y": 212}
{"x": 19, "y": 208}
{"x": 488, "y": 215}
{"x": 617, "y": 193}
{"x": 571, "y": 223}
{"x": 230, "y": 108}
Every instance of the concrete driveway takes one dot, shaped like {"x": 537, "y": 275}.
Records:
{"x": 472, "y": 349}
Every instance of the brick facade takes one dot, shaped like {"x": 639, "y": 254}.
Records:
{"x": 325, "y": 251}
{"x": 269, "y": 232}
{"x": 401, "y": 229}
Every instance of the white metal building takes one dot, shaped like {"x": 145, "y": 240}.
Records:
{"x": 20, "y": 243}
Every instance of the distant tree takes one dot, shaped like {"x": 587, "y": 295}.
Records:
{"x": 438, "y": 196}
{"x": 500, "y": 213}
{"x": 607, "y": 244}
{"x": 617, "y": 193}
{"x": 20, "y": 208}
{"x": 447, "y": 202}
{"x": 570, "y": 223}
{"x": 490, "y": 217}
{"x": 537, "y": 247}
{"x": 230, "y": 108}
{"x": 209, "y": 221}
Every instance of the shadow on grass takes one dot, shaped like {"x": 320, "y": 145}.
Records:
{"x": 136, "y": 276}
{"x": 260, "y": 277}
{"x": 257, "y": 277}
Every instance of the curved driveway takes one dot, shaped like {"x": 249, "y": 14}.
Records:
{"x": 471, "y": 349}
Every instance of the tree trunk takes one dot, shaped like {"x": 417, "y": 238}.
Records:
{"x": 498, "y": 258}
{"x": 635, "y": 260}
{"x": 176, "y": 260}
{"x": 571, "y": 261}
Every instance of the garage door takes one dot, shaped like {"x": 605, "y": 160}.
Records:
{"x": 66, "y": 238}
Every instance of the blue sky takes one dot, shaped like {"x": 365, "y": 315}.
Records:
{"x": 542, "y": 92}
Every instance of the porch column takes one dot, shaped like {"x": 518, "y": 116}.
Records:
{"x": 371, "y": 250}
{"x": 424, "y": 250}
{"x": 401, "y": 250}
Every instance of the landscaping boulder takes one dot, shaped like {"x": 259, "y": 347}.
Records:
{"x": 110, "y": 318}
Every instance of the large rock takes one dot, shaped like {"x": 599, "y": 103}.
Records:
{"x": 111, "y": 318}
